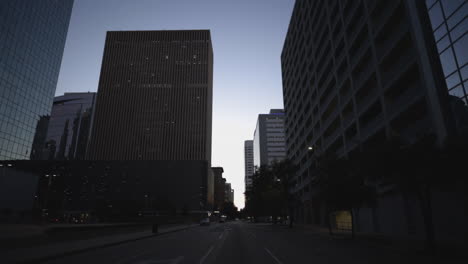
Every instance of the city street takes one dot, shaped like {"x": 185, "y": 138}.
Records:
{"x": 239, "y": 242}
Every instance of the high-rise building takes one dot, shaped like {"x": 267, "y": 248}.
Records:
{"x": 450, "y": 26}
{"x": 154, "y": 98}
{"x": 269, "y": 142}
{"x": 219, "y": 187}
{"x": 228, "y": 193}
{"x": 248, "y": 163}
{"x": 32, "y": 40}
{"x": 69, "y": 127}
{"x": 356, "y": 73}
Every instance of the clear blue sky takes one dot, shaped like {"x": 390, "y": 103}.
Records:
{"x": 247, "y": 38}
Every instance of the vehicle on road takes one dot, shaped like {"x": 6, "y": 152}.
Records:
{"x": 222, "y": 219}
{"x": 205, "y": 221}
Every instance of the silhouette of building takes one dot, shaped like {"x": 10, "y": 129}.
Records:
{"x": 104, "y": 190}
{"x": 154, "y": 98}
{"x": 269, "y": 142}
{"x": 219, "y": 187}
{"x": 356, "y": 73}
{"x": 32, "y": 39}
{"x": 40, "y": 135}
{"x": 450, "y": 27}
{"x": 248, "y": 163}
{"x": 228, "y": 193}
{"x": 69, "y": 127}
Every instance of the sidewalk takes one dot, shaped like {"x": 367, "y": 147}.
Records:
{"x": 399, "y": 244}
{"x": 55, "y": 250}
{"x": 19, "y": 231}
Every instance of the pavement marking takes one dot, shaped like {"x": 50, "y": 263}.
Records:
{"x": 273, "y": 256}
{"x": 177, "y": 260}
{"x": 165, "y": 261}
{"x": 206, "y": 255}
{"x": 222, "y": 234}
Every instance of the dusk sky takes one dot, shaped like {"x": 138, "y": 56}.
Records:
{"x": 247, "y": 37}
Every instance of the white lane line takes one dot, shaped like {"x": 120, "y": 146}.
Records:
{"x": 273, "y": 256}
{"x": 178, "y": 260}
{"x": 165, "y": 261}
{"x": 202, "y": 260}
{"x": 222, "y": 234}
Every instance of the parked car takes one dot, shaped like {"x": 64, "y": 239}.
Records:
{"x": 205, "y": 221}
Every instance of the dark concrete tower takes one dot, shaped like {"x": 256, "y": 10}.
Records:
{"x": 356, "y": 73}
{"x": 154, "y": 99}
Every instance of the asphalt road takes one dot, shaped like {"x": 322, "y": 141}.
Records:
{"x": 239, "y": 242}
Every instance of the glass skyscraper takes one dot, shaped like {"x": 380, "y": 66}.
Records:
{"x": 69, "y": 127}
{"x": 32, "y": 40}
{"x": 450, "y": 25}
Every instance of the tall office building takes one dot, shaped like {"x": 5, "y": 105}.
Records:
{"x": 228, "y": 193}
{"x": 154, "y": 98}
{"x": 248, "y": 163}
{"x": 269, "y": 141}
{"x": 356, "y": 73}
{"x": 69, "y": 127}
{"x": 219, "y": 187}
{"x": 32, "y": 39}
{"x": 450, "y": 25}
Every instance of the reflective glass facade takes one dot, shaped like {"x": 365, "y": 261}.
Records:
{"x": 450, "y": 24}
{"x": 69, "y": 127}
{"x": 32, "y": 39}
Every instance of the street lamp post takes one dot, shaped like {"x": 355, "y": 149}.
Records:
{"x": 45, "y": 205}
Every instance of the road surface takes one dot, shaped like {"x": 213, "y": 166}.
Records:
{"x": 239, "y": 242}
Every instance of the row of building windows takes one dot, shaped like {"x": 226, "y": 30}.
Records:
{"x": 450, "y": 25}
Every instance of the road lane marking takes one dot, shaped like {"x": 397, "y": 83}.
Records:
{"x": 273, "y": 256}
{"x": 222, "y": 234}
{"x": 165, "y": 261}
{"x": 202, "y": 260}
{"x": 178, "y": 260}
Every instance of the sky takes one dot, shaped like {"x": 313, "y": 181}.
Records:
{"x": 247, "y": 38}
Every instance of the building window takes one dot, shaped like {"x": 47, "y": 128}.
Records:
{"x": 448, "y": 62}
{"x": 461, "y": 50}
{"x": 436, "y": 15}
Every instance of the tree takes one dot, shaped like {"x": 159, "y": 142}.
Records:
{"x": 342, "y": 186}
{"x": 414, "y": 168}
{"x": 284, "y": 171}
{"x": 268, "y": 195}
{"x": 229, "y": 210}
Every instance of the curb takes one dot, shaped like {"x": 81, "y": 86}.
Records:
{"x": 78, "y": 251}
{"x": 55, "y": 229}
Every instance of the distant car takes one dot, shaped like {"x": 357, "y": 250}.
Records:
{"x": 222, "y": 219}
{"x": 205, "y": 221}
